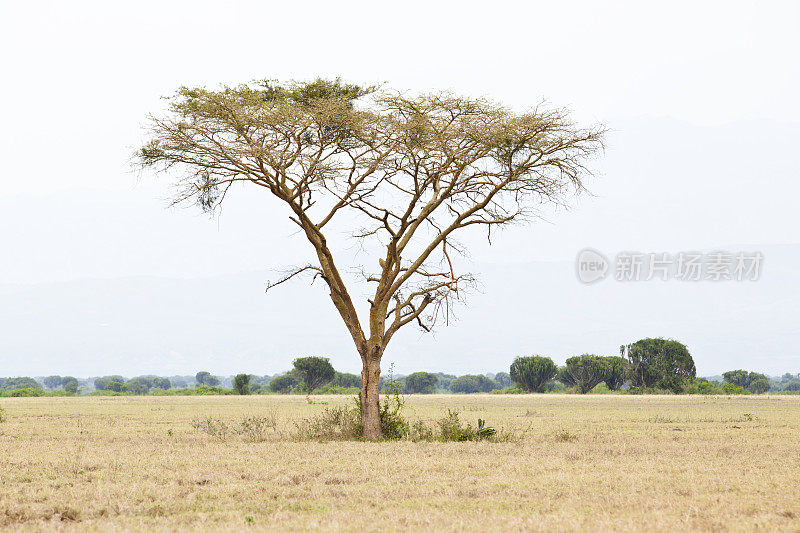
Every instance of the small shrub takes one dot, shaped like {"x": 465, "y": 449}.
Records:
{"x": 212, "y": 426}
{"x": 393, "y": 425}
{"x": 565, "y": 436}
{"x": 730, "y": 388}
{"x": 28, "y": 392}
{"x": 451, "y": 429}
{"x": 334, "y": 423}
{"x": 256, "y": 429}
{"x": 2, "y": 415}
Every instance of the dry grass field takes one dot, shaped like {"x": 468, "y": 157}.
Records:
{"x": 634, "y": 463}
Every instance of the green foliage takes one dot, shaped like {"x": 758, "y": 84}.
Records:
{"x": 256, "y": 428}
{"x": 139, "y": 386}
{"x": 205, "y": 378}
{"x": 586, "y": 371}
{"x": 660, "y": 363}
{"x": 745, "y": 380}
{"x": 160, "y": 383}
{"x": 70, "y": 384}
{"x": 443, "y": 381}
{"x": 563, "y": 376}
{"x": 565, "y": 436}
{"x": 393, "y": 425}
{"x": 212, "y": 426}
{"x": 471, "y": 384}
{"x": 600, "y": 388}
{"x": 531, "y": 373}
{"x": 242, "y": 383}
{"x": 420, "y": 383}
{"x": 283, "y": 384}
{"x": 451, "y": 429}
{"x": 760, "y": 385}
{"x": 28, "y": 392}
{"x": 2, "y": 415}
{"x": 730, "y": 388}
{"x": 305, "y": 93}
{"x": 52, "y": 382}
{"x": 20, "y": 383}
{"x": 346, "y": 380}
{"x": 616, "y": 372}
{"x": 503, "y": 380}
{"x": 314, "y": 371}
{"x": 109, "y": 383}
{"x": 333, "y": 423}
{"x": 202, "y": 390}
{"x": 703, "y": 386}
{"x": 334, "y": 389}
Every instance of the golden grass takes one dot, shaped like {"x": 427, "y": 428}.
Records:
{"x": 635, "y": 463}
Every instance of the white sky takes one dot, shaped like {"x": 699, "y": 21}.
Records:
{"x": 78, "y": 77}
{"x": 701, "y": 97}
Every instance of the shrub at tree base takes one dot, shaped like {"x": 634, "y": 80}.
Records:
{"x": 344, "y": 423}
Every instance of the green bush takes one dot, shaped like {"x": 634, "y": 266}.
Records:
{"x": 202, "y": 390}
{"x": 421, "y": 383}
{"x": 346, "y": 381}
{"x": 451, "y": 429}
{"x": 11, "y": 384}
{"x": 702, "y": 386}
{"x": 109, "y": 383}
{"x": 617, "y": 372}
{"x": 283, "y": 384}
{"x": 760, "y": 386}
{"x": 730, "y": 388}
{"x": 471, "y": 384}
{"x": 28, "y": 392}
{"x": 242, "y": 383}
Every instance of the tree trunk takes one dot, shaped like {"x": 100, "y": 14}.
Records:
{"x": 370, "y": 391}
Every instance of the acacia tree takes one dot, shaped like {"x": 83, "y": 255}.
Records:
{"x": 404, "y": 174}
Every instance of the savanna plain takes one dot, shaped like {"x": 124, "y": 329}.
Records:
{"x": 593, "y": 462}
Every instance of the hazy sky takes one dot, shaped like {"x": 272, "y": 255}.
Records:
{"x": 700, "y": 97}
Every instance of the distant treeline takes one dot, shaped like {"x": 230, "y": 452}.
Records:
{"x": 649, "y": 366}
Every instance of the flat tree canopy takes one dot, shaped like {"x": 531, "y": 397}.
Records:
{"x": 405, "y": 174}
